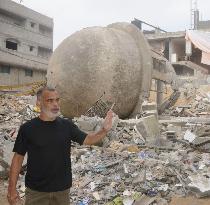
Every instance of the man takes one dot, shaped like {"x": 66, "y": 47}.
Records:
{"x": 47, "y": 141}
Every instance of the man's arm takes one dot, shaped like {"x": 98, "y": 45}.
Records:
{"x": 94, "y": 138}
{"x": 15, "y": 169}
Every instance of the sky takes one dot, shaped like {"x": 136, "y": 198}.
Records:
{"x": 73, "y": 15}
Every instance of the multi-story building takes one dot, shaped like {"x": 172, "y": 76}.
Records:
{"x": 188, "y": 60}
{"x": 26, "y": 43}
{"x": 185, "y": 57}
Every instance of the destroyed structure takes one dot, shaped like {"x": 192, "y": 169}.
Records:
{"x": 142, "y": 161}
{"x": 26, "y": 43}
{"x": 158, "y": 151}
{"x": 115, "y": 62}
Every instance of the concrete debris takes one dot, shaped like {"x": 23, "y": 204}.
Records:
{"x": 151, "y": 126}
{"x": 88, "y": 124}
{"x": 141, "y": 161}
{"x": 169, "y": 102}
{"x": 189, "y": 136}
{"x": 14, "y": 111}
{"x": 128, "y": 201}
{"x": 202, "y": 143}
{"x": 91, "y": 124}
{"x": 148, "y": 106}
{"x": 191, "y": 103}
{"x": 200, "y": 185}
{"x": 148, "y": 109}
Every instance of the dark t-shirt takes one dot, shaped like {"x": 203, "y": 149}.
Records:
{"x": 48, "y": 145}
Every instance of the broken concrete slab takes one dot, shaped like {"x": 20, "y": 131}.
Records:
{"x": 201, "y": 140}
{"x": 151, "y": 112}
{"x": 202, "y": 143}
{"x": 152, "y": 127}
{"x": 181, "y": 121}
{"x": 129, "y": 123}
{"x": 189, "y": 136}
{"x": 142, "y": 129}
{"x": 148, "y": 106}
{"x": 128, "y": 201}
{"x": 200, "y": 185}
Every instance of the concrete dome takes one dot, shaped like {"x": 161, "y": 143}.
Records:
{"x": 114, "y": 59}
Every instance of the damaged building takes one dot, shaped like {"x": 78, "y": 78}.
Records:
{"x": 182, "y": 49}
{"x": 185, "y": 57}
{"x": 158, "y": 150}
{"x": 26, "y": 43}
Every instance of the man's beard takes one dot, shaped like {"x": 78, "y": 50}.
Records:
{"x": 50, "y": 114}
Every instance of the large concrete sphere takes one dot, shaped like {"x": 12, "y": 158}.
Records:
{"x": 114, "y": 59}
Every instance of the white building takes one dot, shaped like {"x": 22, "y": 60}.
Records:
{"x": 26, "y": 43}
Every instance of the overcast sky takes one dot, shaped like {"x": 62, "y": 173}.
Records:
{"x": 72, "y": 15}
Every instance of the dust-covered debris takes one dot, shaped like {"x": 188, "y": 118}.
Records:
{"x": 141, "y": 161}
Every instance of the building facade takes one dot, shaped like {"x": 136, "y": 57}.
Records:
{"x": 26, "y": 44}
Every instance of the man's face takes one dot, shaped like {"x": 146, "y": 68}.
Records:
{"x": 49, "y": 104}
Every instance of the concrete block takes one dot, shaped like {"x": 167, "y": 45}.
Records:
{"x": 141, "y": 128}
{"x": 200, "y": 185}
{"x": 129, "y": 123}
{"x": 189, "y": 136}
{"x": 151, "y": 112}
{"x": 151, "y": 126}
{"x": 149, "y": 106}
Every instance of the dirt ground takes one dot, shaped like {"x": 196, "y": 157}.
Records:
{"x": 190, "y": 201}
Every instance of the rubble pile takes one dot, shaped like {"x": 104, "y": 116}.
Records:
{"x": 13, "y": 112}
{"x": 141, "y": 161}
{"x": 192, "y": 102}
{"x": 135, "y": 164}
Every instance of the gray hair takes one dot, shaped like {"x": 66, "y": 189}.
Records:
{"x": 41, "y": 90}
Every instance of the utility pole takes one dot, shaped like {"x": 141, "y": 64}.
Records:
{"x": 194, "y": 14}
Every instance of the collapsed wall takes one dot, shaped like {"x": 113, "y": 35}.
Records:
{"x": 114, "y": 60}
